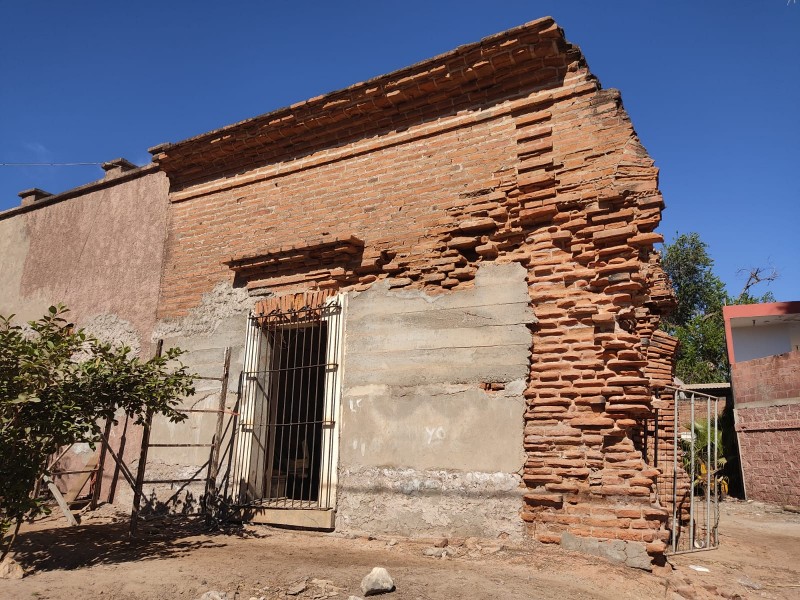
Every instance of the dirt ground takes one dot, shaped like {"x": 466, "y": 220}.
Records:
{"x": 759, "y": 557}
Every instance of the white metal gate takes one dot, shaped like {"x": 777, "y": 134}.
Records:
{"x": 693, "y": 470}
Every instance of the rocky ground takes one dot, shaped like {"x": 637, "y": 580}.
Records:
{"x": 759, "y": 557}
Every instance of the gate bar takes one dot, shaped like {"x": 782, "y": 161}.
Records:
{"x": 675, "y": 473}
{"x": 712, "y": 465}
{"x": 708, "y": 470}
{"x": 691, "y": 482}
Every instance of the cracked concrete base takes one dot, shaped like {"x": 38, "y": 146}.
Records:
{"x": 430, "y": 503}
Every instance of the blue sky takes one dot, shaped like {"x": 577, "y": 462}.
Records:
{"x": 712, "y": 87}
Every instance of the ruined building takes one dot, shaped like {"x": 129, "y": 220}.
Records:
{"x": 439, "y": 287}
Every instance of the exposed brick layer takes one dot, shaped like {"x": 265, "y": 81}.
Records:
{"x": 767, "y": 393}
{"x": 507, "y": 150}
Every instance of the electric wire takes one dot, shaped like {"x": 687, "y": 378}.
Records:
{"x": 44, "y": 164}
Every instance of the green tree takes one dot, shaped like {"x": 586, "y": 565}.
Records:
{"x": 57, "y": 385}
{"x": 697, "y": 319}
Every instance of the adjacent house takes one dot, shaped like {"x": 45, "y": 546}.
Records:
{"x": 764, "y": 352}
{"x": 437, "y": 292}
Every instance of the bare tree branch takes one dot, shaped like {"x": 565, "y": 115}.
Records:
{"x": 757, "y": 275}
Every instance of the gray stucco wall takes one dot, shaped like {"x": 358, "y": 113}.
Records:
{"x": 218, "y": 323}
{"x": 424, "y": 448}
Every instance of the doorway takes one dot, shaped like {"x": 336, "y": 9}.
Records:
{"x": 286, "y": 452}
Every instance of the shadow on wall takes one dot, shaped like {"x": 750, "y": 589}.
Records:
{"x": 185, "y": 505}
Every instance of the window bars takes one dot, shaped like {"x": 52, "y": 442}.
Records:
{"x": 284, "y": 454}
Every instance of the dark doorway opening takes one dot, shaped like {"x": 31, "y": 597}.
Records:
{"x": 296, "y": 396}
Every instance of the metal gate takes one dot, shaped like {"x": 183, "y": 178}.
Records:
{"x": 284, "y": 446}
{"x": 692, "y": 469}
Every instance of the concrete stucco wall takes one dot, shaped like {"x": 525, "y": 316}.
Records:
{"x": 424, "y": 448}
{"x": 100, "y": 253}
{"x": 217, "y": 323}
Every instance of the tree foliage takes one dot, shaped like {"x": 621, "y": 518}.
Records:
{"x": 697, "y": 319}
{"x": 57, "y": 386}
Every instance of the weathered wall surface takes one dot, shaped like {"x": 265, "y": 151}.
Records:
{"x": 504, "y": 151}
{"x": 432, "y": 408}
{"x": 765, "y": 340}
{"x": 182, "y": 450}
{"x": 767, "y": 415}
{"x": 99, "y": 253}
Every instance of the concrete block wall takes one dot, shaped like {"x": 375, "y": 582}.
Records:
{"x": 767, "y": 417}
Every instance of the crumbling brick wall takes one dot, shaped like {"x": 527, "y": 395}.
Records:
{"x": 500, "y": 151}
{"x": 767, "y": 401}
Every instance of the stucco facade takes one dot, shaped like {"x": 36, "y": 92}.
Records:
{"x": 98, "y": 250}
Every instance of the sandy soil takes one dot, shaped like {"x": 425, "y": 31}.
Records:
{"x": 759, "y": 558}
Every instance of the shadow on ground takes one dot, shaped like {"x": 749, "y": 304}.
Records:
{"x": 66, "y": 548}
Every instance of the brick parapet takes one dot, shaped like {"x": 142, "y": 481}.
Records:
{"x": 548, "y": 173}
{"x": 498, "y": 68}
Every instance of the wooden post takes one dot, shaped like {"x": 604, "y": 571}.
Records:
{"x": 213, "y": 470}
{"x": 126, "y": 473}
{"x": 98, "y": 478}
{"x": 137, "y": 490}
{"x": 62, "y": 504}
{"x": 112, "y": 490}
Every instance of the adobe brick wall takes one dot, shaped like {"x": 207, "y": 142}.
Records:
{"x": 767, "y": 400}
{"x": 503, "y": 151}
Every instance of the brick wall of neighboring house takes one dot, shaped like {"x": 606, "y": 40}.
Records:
{"x": 503, "y": 151}
{"x": 767, "y": 395}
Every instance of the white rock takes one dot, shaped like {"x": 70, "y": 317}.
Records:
{"x": 378, "y": 581}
